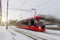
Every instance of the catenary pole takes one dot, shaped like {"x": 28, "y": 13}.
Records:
{"x": 7, "y": 15}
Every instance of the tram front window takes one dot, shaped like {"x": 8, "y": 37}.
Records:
{"x": 42, "y": 23}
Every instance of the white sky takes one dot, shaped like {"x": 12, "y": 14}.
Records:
{"x": 46, "y": 7}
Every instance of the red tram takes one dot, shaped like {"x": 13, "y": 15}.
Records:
{"x": 36, "y": 24}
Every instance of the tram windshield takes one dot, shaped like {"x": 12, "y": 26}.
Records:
{"x": 42, "y": 21}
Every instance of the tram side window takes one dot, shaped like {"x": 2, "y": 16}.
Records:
{"x": 29, "y": 22}
{"x": 33, "y": 22}
{"x": 25, "y": 22}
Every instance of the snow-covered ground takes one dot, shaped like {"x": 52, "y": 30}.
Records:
{"x": 7, "y": 35}
{"x": 52, "y": 25}
{"x": 53, "y": 32}
{"x": 4, "y": 34}
{"x": 14, "y": 33}
{"x": 19, "y": 36}
{"x": 42, "y": 35}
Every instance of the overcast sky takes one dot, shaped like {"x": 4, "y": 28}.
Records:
{"x": 46, "y": 7}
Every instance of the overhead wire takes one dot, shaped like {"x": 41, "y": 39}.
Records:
{"x": 25, "y": 1}
{"x": 20, "y": 9}
{"x": 22, "y": 6}
{"x": 27, "y": 9}
{"x": 34, "y": 7}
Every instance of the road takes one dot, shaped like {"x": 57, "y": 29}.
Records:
{"x": 23, "y": 34}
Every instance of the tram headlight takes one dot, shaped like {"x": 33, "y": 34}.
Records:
{"x": 39, "y": 26}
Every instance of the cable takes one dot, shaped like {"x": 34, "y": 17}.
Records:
{"x": 20, "y": 9}
{"x": 21, "y": 4}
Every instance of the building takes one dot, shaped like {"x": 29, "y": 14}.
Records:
{"x": 0, "y": 13}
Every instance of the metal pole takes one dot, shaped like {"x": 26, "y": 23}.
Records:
{"x": 35, "y": 12}
{"x": 7, "y": 15}
{"x": 1, "y": 11}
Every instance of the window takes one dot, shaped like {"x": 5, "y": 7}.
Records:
{"x": 29, "y": 22}
{"x": 25, "y": 22}
{"x": 33, "y": 22}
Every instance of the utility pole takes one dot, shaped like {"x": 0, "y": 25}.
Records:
{"x": 7, "y": 15}
{"x": 0, "y": 13}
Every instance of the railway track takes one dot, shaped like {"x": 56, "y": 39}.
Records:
{"x": 24, "y": 33}
{"x": 37, "y": 35}
{"x": 20, "y": 34}
{"x": 12, "y": 34}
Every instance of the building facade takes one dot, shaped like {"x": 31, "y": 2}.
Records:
{"x": 0, "y": 13}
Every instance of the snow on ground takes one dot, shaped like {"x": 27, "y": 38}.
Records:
{"x": 4, "y": 34}
{"x": 7, "y": 35}
{"x": 39, "y": 34}
{"x": 52, "y": 25}
{"x": 53, "y": 32}
{"x": 19, "y": 36}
